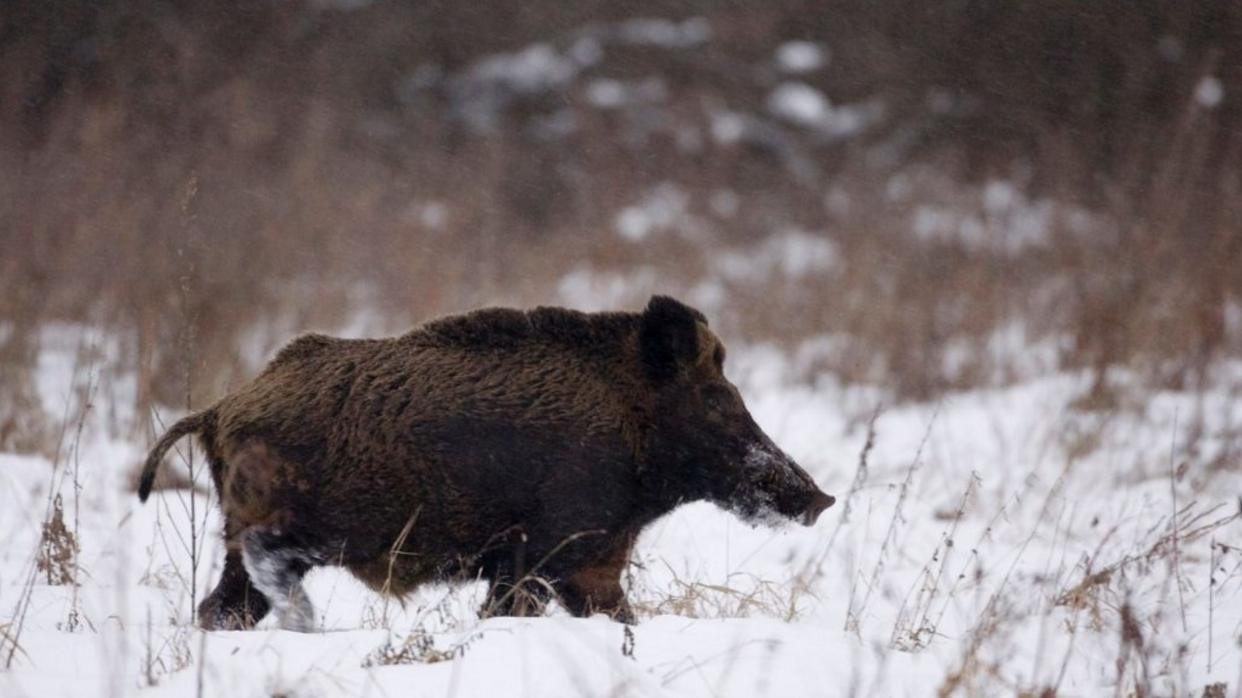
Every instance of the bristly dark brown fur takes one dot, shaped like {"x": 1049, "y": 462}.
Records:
{"x": 495, "y": 444}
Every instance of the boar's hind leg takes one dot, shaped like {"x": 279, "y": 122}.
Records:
{"x": 276, "y": 565}
{"x": 511, "y": 590}
{"x": 235, "y": 604}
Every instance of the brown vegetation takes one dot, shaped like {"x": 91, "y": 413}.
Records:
{"x": 187, "y": 174}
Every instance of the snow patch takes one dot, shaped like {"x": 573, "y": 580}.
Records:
{"x": 491, "y": 83}
{"x": 793, "y": 254}
{"x": 664, "y": 33}
{"x": 800, "y": 103}
{"x": 594, "y": 290}
{"x": 660, "y": 210}
{"x": 1011, "y": 222}
{"x": 536, "y": 68}
{"x": 586, "y": 51}
{"x": 1209, "y": 92}
{"x": 803, "y": 105}
{"x": 727, "y": 127}
{"x": 606, "y": 93}
{"x": 801, "y": 56}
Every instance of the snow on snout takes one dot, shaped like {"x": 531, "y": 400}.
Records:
{"x": 764, "y": 458}
{"x": 757, "y": 506}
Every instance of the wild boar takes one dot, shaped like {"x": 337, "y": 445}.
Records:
{"x": 527, "y": 449}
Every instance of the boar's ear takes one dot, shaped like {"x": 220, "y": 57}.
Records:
{"x": 669, "y": 336}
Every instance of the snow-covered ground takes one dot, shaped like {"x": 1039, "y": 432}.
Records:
{"x": 994, "y": 543}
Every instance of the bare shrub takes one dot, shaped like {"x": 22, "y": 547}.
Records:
{"x": 58, "y": 548}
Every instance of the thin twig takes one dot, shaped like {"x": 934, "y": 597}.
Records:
{"x": 853, "y": 618}
{"x": 24, "y": 598}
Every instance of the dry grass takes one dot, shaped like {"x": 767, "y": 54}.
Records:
{"x": 169, "y": 655}
{"x": 1192, "y": 523}
{"x": 292, "y": 182}
{"x": 853, "y": 618}
{"x": 418, "y": 647}
{"x": 58, "y": 548}
{"x": 740, "y": 597}
{"x": 57, "y": 552}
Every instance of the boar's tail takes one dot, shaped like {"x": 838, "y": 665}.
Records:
{"x": 192, "y": 424}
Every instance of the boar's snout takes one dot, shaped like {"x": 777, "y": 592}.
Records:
{"x": 819, "y": 502}
{"x": 777, "y": 489}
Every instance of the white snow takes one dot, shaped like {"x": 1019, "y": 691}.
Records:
{"x": 792, "y": 254}
{"x": 535, "y": 68}
{"x": 593, "y": 290}
{"x": 800, "y": 103}
{"x": 487, "y": 86}
{"x": 806, "y": 106}
{"x": 664, "y": 33}
{"x": 958, "y": 554}
{"x": 661, "y": 209}
{"x": 586, "y": 51}
{"x": 801, "y": 56}
{"x": 1011, "y": 221}
{"x": 727, "y": 127}
{"x": 607, "y": 93}
{"x": 1209, "y": 92}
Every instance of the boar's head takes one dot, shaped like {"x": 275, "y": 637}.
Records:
{"x": 704, "y": 444}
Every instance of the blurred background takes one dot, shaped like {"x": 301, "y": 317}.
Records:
{"x": 923, "y": 197}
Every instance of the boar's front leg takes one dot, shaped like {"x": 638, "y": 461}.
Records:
{"x": 597, "y": 589}
{"x": 511, "y": 592}
{"x": 506, "y": 599}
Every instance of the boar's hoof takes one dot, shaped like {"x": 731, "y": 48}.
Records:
{"x": 818, "y": 504}
{"x": 217, "y": 614}
{"x": 235, "y": 604}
